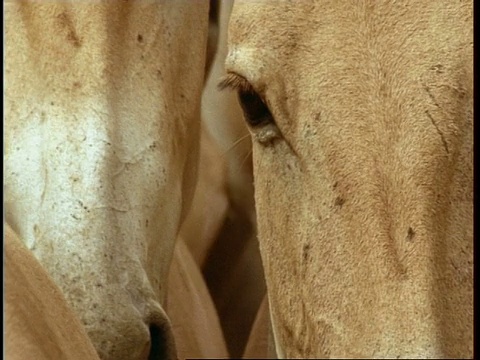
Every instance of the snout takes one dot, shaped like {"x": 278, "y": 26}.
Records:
{"x": 126, "y": 334}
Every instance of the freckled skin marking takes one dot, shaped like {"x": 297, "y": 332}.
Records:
{"x": 72, "y": 36}
{"x": 339, "y": 201}
{"x": 306, "y": 249}
{"x": 410, "y": 234}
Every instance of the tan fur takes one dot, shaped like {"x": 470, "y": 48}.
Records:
{"x": 364, "y": 202}
{"x": 38, "y": 322}
{"x": 210, "y": 201}
{"x": 195, "y": 322}
{"x": 102, "y": 105}
{"x": 259, "y": 341}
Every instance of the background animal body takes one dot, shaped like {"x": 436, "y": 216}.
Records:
{"x": 194, "y": 319}
{"x": 363, "y": 173}
{"x": 39, "y": 321}
{"x": 260, "y": 344}
{"x": 220, "y": 229}
{"x": 101, "y": 150}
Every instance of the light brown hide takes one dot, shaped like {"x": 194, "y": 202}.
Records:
{"x": 39, "y": 324}
{"x": 102, "y": 104}
{"x": 210, "y": 201}
{"x": 364, "y": 201}
{"x": 259, "y": 339}
{"x": 194, "y": 319}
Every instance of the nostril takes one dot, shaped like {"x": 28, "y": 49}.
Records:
{"x": 161, "y": 346}
{"x": 162, "y": 343}
{"x": 157, "y": 344}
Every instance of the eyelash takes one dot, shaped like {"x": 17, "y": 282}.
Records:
{"x": 254, "y": 108}
{"x": 235, "y": 82}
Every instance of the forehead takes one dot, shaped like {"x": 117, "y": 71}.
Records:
{"x": 252, "y": 20}
{"x": 290, "y": 38}
{"x": 314, "y": 37}
{"x": 283, "y": 26}
{"x": 263, "y": 37}
{"x": 263, "y": 28}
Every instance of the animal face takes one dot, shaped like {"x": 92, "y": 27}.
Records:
{"x": 102, "y": 116}
{"x": 361, "y": 122}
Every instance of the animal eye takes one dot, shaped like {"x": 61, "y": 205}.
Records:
{"x": 254, "y": 109}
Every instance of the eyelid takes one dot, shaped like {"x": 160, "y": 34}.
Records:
{"x": 235, "y": 82}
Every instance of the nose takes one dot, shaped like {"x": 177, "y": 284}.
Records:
{"x": 162, "y": 343}
{"x": 161, "y": 347}
{"x": 125, "y": 334}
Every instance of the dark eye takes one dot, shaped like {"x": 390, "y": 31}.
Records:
{"x": 254, "y": 109}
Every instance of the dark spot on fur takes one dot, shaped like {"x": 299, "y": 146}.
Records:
{"x": 52, "y": 103}
{"x": 410, "y": 234}
{"x": 339, "y": 201}
{"x": 76, "y": 85}
{"x": 142, "y": 57}
{"x": 146, "y": 223}
{"x": 98, "y": 285}
{"x": 383, "y": 89}
{"x": 335, "y": 185}
{"x": 66, "y": 21}
{"x": 73, "y": 38}
{"x": 140, "y": 38}
{"x": 305, "y": 252}
{"x": 437, "y": 68}
{"x": 318, "y": 116}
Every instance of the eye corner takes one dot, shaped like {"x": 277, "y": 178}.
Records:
{"x": 268, "y": 135}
